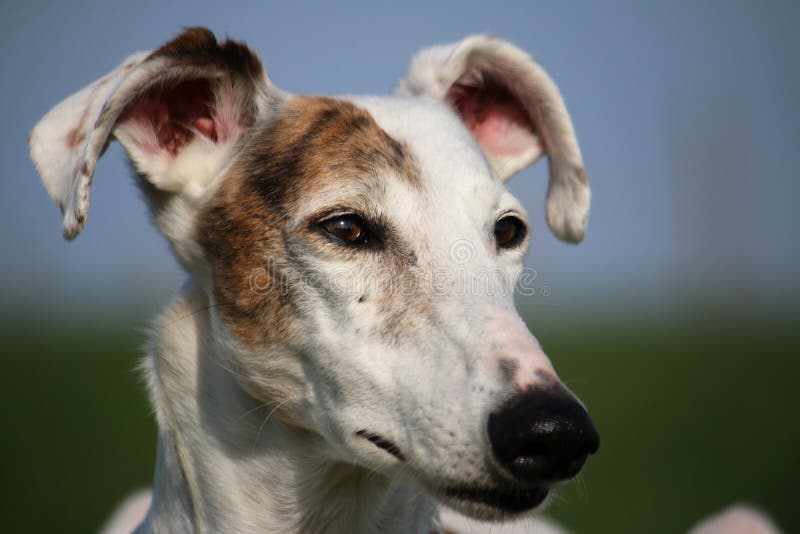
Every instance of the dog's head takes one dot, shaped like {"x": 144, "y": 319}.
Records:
{"x": 360, "y": 253}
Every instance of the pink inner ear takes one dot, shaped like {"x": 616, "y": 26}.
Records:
{"x": 497, "y": 120}
{"x": 174, "y": 114}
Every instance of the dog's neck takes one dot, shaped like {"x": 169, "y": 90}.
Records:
{"x": 224, "y": 465}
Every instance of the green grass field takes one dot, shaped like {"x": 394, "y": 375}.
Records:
{"x": 692, "y": 415}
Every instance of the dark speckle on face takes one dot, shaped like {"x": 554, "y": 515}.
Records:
{"x": 508, "y": 368}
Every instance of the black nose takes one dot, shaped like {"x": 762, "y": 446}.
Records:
{"x": 543, "y": 435}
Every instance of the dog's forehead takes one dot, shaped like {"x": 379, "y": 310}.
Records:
{"x": 397, "y": 156}
{"x": 449, "y": 160}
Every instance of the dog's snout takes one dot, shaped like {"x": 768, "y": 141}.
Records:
{"x": 542, "y": 435}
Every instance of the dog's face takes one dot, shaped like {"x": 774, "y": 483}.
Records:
{"x": 360, "y": 253}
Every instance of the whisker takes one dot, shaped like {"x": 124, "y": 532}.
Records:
{"x": 269, "y": 415}
{"x": 251, "y": 410}
{"x": 199, "y": 310}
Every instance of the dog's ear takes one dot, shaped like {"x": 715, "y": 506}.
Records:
{"x": 178, "y": 112}
{"x": 516, "y": 114}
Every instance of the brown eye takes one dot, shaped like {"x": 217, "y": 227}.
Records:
{"x": 348, "y": 228}
{"x": 509, "y": 231}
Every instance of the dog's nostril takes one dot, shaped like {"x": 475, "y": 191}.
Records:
{"x": 382, "y": 443}
{"x": 542, "y": 435}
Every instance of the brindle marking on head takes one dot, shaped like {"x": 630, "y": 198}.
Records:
{"x": 322, "y": 139}
{"x": 313, "y": 143}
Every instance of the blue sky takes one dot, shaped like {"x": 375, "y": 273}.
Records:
{"x": 687, "y": 114}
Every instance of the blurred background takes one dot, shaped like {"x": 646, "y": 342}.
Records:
{"x": 676, "y": 321}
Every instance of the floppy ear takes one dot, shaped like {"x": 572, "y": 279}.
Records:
{"x": 516, "y": 114}
{"x": 178, "y": 112}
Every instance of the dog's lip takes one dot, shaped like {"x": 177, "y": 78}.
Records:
{"x": 382, "y": 443}
{"x": 512, "y": 501}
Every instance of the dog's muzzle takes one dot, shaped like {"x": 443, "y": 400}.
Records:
{"x": 542, "y": 436}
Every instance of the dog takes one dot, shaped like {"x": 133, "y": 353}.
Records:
{"x": 345, "y": 355}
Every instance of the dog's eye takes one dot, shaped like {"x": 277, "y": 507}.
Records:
{"x": 509, "y": 231}
{"x": 349, "y": 228}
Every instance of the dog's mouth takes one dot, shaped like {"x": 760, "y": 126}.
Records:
{"x": 486, "y": 502}
{"x": 478, "y": 502}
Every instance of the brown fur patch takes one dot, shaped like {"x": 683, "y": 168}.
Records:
{"x": 74, "y": 138}
{"x": 314, "y": 143}
{"x": 325, "y": 139}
